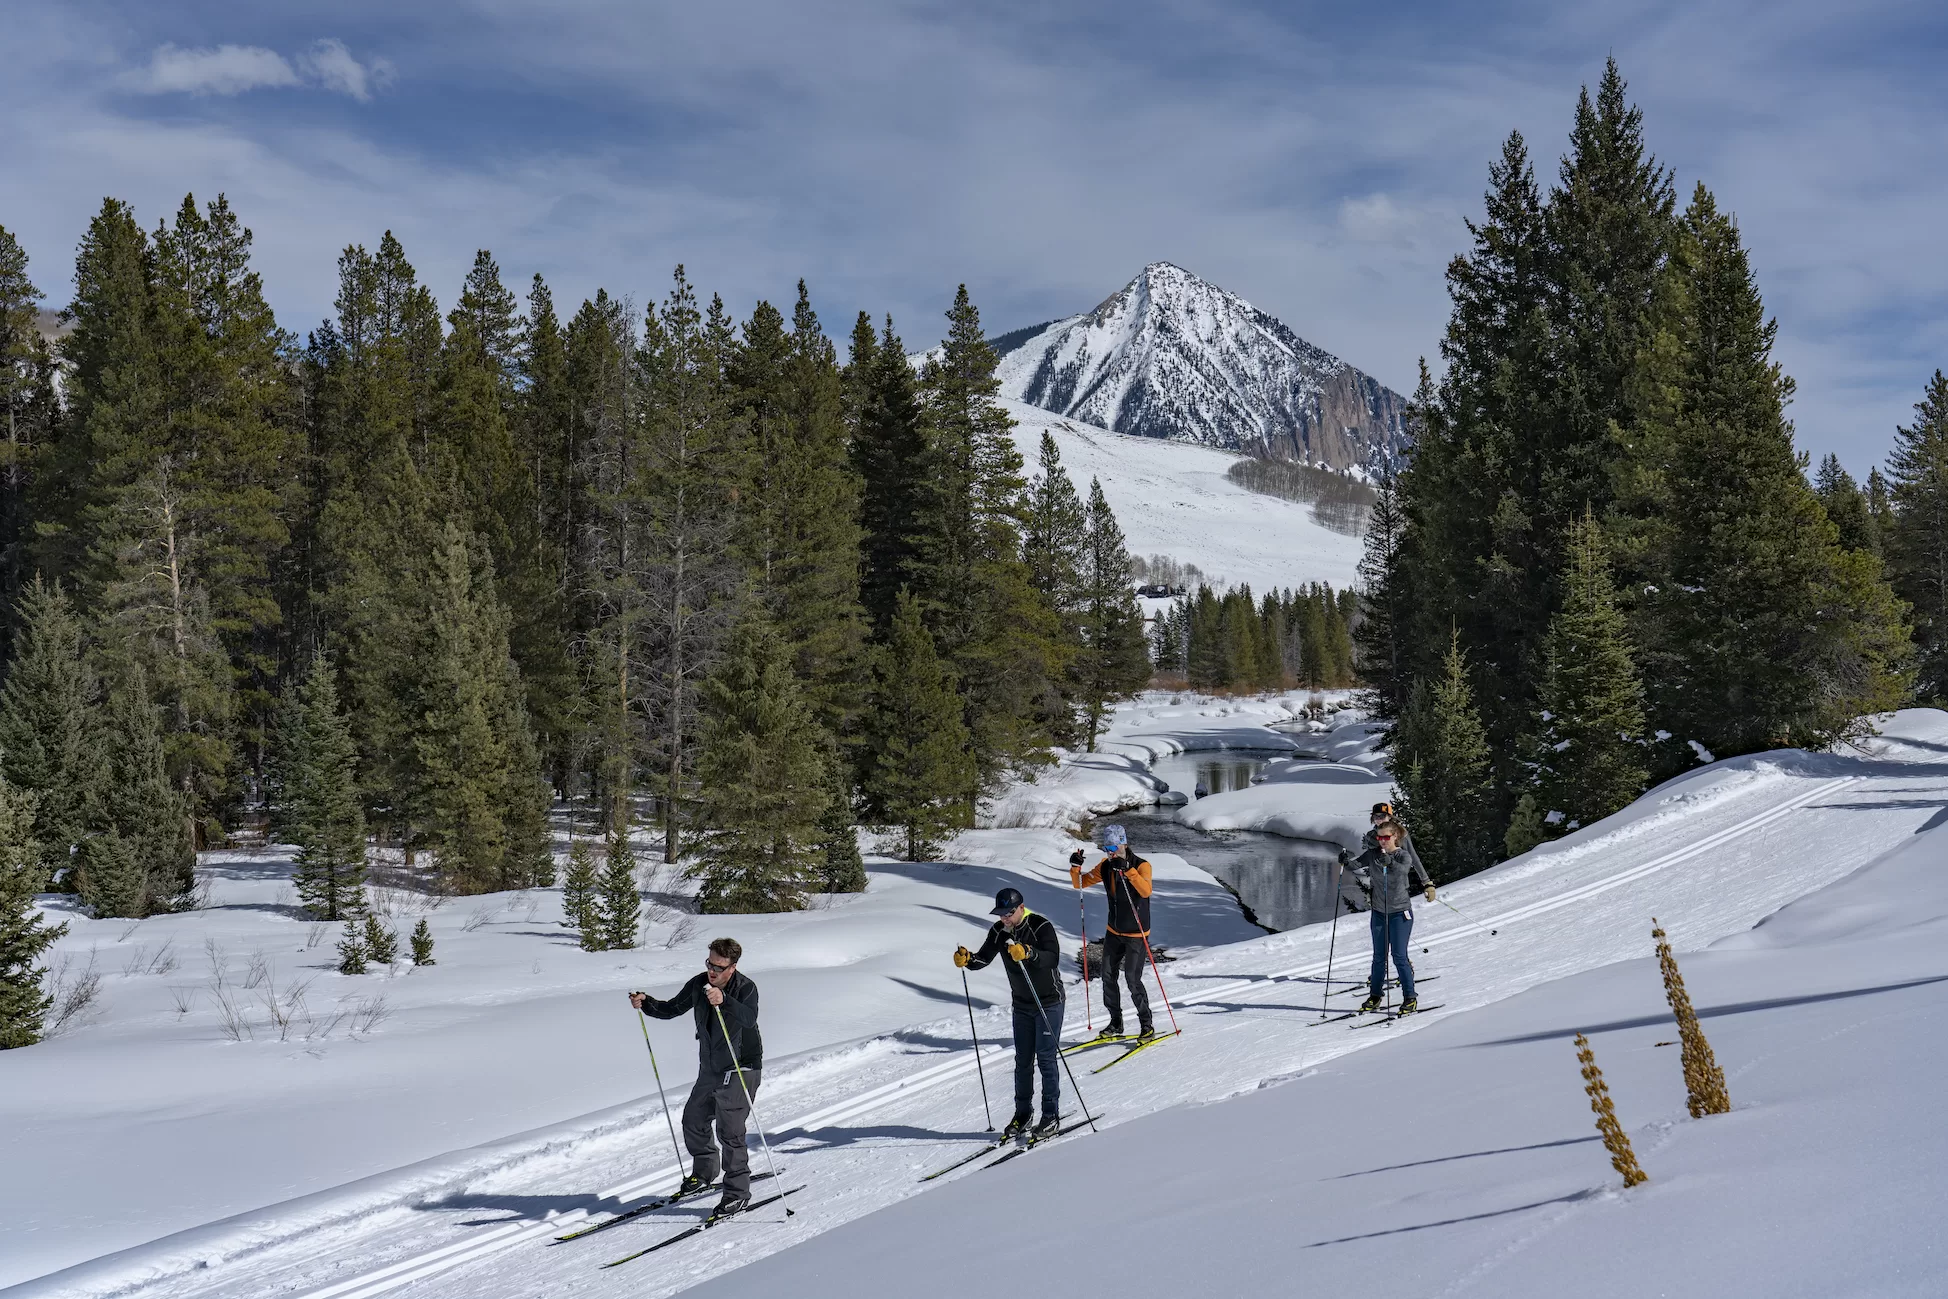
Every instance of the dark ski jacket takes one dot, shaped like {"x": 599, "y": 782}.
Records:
{"x": 1129, "y": 894}
{"x": 740, "y": 1017}
{"x": 1038, "y": 972}
{"x": 1388, "y": 877}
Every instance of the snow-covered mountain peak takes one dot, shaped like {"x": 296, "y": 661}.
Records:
{"x": 1172, "y": 355}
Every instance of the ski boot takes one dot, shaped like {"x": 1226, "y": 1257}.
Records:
{"x": 692, "y": 1184}
{"x": 1113, "y": 1029}
{"x": 1410, "y": 1005}
{"x": 1048, "y": 1127}
{"x": 1145, "y": 1031}
{"x": 1368, "y": 1006}
{"x": 729, "y": 1205}
{"x": 1017, "y": 1126}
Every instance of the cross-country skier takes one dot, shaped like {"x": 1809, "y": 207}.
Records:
{"x": 720, "y": 1094}
{"x": 1033, "y": 953}
{"x": 1385, "y": 871}
{"x": 1125, "y": 877}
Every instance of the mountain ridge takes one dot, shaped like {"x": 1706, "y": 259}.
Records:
{"x": 1170, "y": 355}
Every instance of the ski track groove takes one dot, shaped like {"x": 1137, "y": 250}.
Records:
{"x": 425, "y": 1264}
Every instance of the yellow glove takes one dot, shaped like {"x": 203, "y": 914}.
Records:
{"x": 1017, "y": 951}
{"x": 962, "y": 956}
{"x": 1430, "y": 892}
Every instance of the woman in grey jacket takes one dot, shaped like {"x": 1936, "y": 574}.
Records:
{"x": 1385, "y": 872}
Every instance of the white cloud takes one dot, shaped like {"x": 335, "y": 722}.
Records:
{"x": 225, "y": 70}
{"x": 235, "y": 69}
{"x": 332, "y": 66}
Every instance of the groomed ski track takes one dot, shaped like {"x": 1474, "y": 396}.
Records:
{"x": 1709, "y": 855}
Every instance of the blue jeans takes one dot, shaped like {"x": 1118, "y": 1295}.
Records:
{"x": 1036, "y": 1042}
{"x": 1391, "y": 929}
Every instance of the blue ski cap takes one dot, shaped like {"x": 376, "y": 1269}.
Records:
{"x": 1114, "y": 837}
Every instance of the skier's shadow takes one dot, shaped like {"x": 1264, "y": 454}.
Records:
{"x": 803, "y": 1142}
{"x": 524, "y": 1208}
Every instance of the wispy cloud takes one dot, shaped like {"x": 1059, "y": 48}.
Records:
{"x": 238, "y": 69}
{"x": 225, "y": 70}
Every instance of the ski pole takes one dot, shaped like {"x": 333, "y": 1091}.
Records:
{"x": 1333, "y": 940}
{"x": 978, "y": 1068}
{"x": 749, "y": 1104}
{"x": 1156, "y": 973}
{"x": 1082, "y": 923}
{"x": 1057, "y": 1045}
{"x": 1457, "y": 911}
{"x": 643, "y": 1020}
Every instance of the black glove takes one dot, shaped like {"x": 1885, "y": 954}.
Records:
{"x": 1075, "y": 858}
{"x": 1345, "y": 857}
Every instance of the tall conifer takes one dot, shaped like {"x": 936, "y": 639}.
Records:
{"x": 1114, "y": 662}
{"x": 317, "y": 766}
{"x": 922, "y": 776}
{"x": 1440, "y": 759}
{"x": 24, "y": 935}
{"x": 51, "y": 744}
{"x": 1917, "y": 531}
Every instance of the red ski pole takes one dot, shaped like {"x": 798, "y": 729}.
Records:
{"x": 1082, "y": 922}
{"x": 1155, "y": 973}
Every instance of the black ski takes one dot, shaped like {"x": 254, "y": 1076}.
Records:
{"x": 629, "y": 1215}
{"x": 1391, "y": 983}
{"x": 1029, "y": 1145}
{"x": 1334, "y": 1019}
{"x": 988, "y": 1149}
{"x": 703, "y": 1226}
{"x": 1390, "y": 1016}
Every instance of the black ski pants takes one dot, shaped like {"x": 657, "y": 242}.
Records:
{"x": 718, "y": 1099}
{"x": 1038, "y": 1039}
{"x": 1123, "y": 957}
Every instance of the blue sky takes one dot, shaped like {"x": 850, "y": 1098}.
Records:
{"x": 1317, "y": 159}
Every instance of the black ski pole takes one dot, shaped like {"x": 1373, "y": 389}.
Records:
{"x": 978, "y": 1067}
{"x": 749, "y": 1104}
{"x": 1333, "y": 940}
{"x": 674, "y": 1143}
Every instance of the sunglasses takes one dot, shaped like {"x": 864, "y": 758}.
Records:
{"x": 1384, "y": 838}
{"x": 715, "y": 968}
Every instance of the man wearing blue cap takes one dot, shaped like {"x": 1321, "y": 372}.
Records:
{"x": 1034, "y": 953}
{"x": 1125, "y": 877}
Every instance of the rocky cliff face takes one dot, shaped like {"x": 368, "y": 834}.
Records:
{"x": 1172, "y": 356}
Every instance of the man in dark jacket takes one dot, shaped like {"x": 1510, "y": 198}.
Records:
{"x": 1125, "y": 878}
{"x": 730, "y": 1056}
{"x": 1032, "y": 953}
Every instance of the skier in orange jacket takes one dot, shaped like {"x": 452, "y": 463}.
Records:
{"x": 1125, "y": 878}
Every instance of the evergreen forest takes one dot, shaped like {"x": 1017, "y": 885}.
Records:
{"x": 1605, "y": 562}
{"x": 412, "y": 576}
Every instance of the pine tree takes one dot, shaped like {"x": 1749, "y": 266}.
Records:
{"x": 24, "y": 935}
{"x": 1846, "y": 505}
{"x": 764, "y": 780}
{"x": 619, "y": 900}
{"x": 352, "y": 952}
{"x": 423, "y": 943}
{"x": 578, "y": 897}
{"x": 317, "y": 766}
{"x": 1440, "y": 760}
{"x": 889, "y": 456}
{"x": 1761, "y": 630}
{"x": 1377, "y": 652}
{"x": 1917, "y": 532}
{"x": 29, "y": 413}
{"x": 922, "y": 776}
{"x": 1114, "y": 662}
{"x": 483, "y": 802}
{"x": 689, "y": 570}
{"x": 1590, "y": 737}
{"x": 1054, "y": 525}
{"x": 381, "y": 943}
{"x": 988, "y": 622}
{"x": 144, "y": 861}
{"x": 841, "y": 868}
{"x": 50, "y": 743}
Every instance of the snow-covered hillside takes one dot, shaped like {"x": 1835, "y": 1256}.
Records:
{"x": 1172, "y": 356}
{"x": 1451, "y": 1154}
{"x": 1172, "y": 498}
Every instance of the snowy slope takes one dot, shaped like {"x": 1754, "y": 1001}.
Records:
{"x": 1172, "y": 356}
{"x": 1450, "y": 1154}
{"x": 1172, "y": 498}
